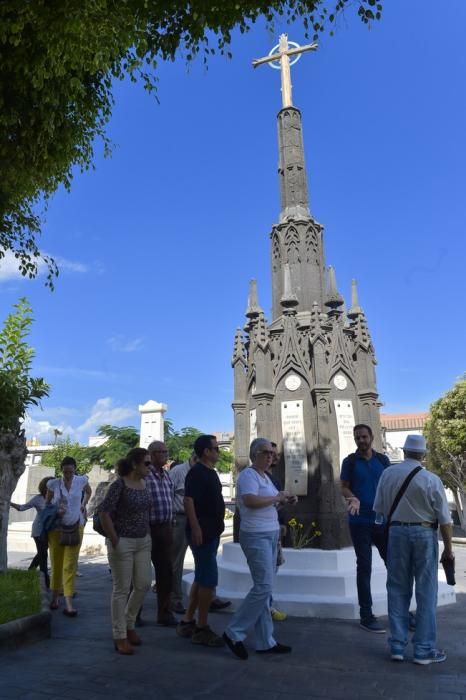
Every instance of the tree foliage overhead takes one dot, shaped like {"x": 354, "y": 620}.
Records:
{"x": 18, "y": 390}
{"x": 180, "y": 446}
{"x": 68, "y": 448}
{"x": 445, "y": 431}
{"x": 118, "y": 442}
{"x": 59, "y": 60}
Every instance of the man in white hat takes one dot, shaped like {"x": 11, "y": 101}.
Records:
{"x": 413, "y": 550}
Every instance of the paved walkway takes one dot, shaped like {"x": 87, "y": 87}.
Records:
{"x": 331, "y": 659}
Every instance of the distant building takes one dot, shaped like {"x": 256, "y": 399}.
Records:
{"x": 225, "y": 440}
{"x": 395, "y": 428}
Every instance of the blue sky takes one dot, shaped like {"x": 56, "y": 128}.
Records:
{"x": 159, "y": 242}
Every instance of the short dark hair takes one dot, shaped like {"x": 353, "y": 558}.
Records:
{"x": 42, "y": 488}
{"x": 135, "y": 456}
{"x": 203, "y": 442}
{"x": 68, "y": 461}
{"x": 360, "y": 426}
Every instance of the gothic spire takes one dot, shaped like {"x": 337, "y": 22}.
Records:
{"x": 291, "y": 169}
{"x": 334, "y": 299}
{"x": 253, "y": 309}
{"x": 239, "y": 352}
{"x": 355, "y": 310}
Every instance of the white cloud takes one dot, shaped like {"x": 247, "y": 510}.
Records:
{"x": 103, "y": 412}
{"x": 9, "y": 267}
{"x": 120, "y": 344}
{"x": 43, "y": 429}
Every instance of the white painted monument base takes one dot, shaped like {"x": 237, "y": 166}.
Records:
{"x": 311, "y": 582}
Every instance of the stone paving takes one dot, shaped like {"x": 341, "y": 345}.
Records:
{"x": 331, "y": 659}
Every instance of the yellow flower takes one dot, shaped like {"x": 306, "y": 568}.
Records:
{"x": 318, "y": 533}
{"x": 300, "y": 525}
{"x": 292, "y": 522}
{"x": 313, "y": 524}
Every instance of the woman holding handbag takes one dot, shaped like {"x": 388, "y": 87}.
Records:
{"x": 70, "y": 493}
{"x": 124, "y": 517}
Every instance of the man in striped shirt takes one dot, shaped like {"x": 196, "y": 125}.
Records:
{"x": 161, "y": 517}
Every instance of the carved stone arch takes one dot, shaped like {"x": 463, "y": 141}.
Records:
{"x": 276, "y": 252}
{"x": 292, "y": 246}
{"x": 292, "y": 368}
{"x": 349, "y": 379}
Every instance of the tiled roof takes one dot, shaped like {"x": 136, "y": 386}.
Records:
{"x": 403, "y": 421}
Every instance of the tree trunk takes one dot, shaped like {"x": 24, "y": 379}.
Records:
{"x": 12, "y": 455}
{"x": 460, "y": 500}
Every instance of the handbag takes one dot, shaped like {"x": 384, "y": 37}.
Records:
{"x": 97, "y": 525}
{"x": 70, "y": 535}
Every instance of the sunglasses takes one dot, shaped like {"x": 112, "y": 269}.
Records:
{"x": 147, "y": 464}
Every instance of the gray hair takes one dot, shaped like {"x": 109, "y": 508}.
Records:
{"x": 256, "y": 446}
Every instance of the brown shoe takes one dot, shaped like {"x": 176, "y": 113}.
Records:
{"x": 133, "y": 638}
{"x": 122, "y": 646}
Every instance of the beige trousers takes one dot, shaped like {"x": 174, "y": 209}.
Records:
{"x": 130, "y": 564}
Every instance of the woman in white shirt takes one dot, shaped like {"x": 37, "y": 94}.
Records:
{"x": 38, "y": 502}
{"x": 70, "y": 493}
{"x": 257, "y": 499}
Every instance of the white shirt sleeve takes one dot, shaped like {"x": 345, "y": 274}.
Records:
{"x": 248, "y": 483}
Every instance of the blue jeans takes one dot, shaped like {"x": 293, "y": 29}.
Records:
{"x": 412, "y": 556}
{"x": 364, "y": 536}
{"x": 205, "y": 563}
{"x": 260, "y": 550}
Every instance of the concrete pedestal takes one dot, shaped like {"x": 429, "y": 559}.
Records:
{"x": 312, "y": 582}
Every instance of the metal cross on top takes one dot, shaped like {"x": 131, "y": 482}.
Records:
{"x": 283, "y": 56}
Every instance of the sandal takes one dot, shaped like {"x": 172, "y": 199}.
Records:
{"x": 70, "y": 613}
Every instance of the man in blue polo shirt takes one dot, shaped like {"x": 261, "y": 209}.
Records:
{"x": 360, "y": 474}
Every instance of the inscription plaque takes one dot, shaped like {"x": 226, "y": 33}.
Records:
{"x": 294, "y": 447}
{"x": 345, "y": 424}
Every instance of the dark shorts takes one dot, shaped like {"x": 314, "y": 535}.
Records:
{"x": 205, "y": 563}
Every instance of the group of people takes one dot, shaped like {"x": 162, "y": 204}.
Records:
{"x": 398, "y": 508}
{"x": 152, "y": 515}
{"x": 137, "y": 516}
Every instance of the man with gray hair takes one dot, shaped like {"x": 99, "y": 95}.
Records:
{"x": 413, "y": 550}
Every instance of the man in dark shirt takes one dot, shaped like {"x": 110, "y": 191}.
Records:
{"x": 360, "y": 474}
{"x": 205, "y": 512}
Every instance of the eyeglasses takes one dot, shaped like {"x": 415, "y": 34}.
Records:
{"x": 147, "y": 464}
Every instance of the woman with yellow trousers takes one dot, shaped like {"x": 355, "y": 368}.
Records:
{"x": 70, "y": 493}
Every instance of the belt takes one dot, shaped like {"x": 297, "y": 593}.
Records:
{"x": 423, "y": 524}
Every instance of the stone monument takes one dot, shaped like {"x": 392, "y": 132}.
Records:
{"x": 152, "y": 422}
{"x": 307, "y": 377}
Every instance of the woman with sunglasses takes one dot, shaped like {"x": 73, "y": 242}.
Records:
{"x": 257, "y": 499}
{"x": 124, "y": 516}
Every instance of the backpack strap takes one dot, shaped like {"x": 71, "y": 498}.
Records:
{"x": 351, "y": 461}
{"x": 401, "y": 492}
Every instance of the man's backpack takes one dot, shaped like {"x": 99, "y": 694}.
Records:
{"x": 351, "y": 461}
